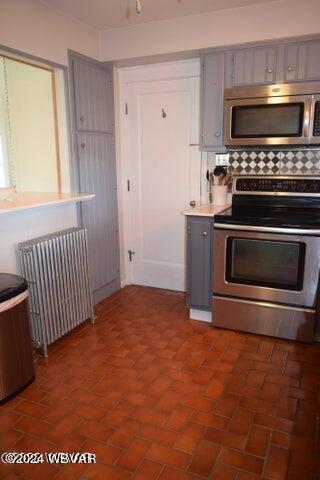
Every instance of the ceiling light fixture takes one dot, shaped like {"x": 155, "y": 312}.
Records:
{"x": 138, "y": 6}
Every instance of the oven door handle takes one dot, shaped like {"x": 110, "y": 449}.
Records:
{"x": 254, "y": 228}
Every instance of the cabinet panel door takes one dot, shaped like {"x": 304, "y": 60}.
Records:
{"x": 199, "y": 262}
{"x": 92, "y": 94}
{"x": 253, "y": 66}
{"x": 302, "y": 61}
{"x": 212, "y": 101}
{"x": 93, "y": 97}
{"x": 97, "y": 173}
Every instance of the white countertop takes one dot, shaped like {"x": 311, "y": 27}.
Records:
{"x": 206, "y": 210}
{"x": 27, "y": 200}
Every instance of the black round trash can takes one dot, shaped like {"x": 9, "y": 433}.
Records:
{"x": 16, "y": 359}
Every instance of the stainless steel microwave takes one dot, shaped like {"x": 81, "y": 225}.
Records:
{"x": 280, "y": 114}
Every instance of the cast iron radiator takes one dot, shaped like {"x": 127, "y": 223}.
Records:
{"x": 56, "y": 269}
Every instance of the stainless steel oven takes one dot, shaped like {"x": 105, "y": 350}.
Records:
{"x": 266, "y": 282}
{"x": 273, "y": 267}
{"x": 283, "y": 114}
{"x": 266, "y": 257}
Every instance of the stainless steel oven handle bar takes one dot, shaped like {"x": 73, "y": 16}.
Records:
{"x": 251, "y": 228}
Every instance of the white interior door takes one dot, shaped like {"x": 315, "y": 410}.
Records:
{"x": 163, "y": 166}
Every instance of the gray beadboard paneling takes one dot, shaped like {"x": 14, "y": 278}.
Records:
{"x": 98, "y": 174}
{"x": 254, "y": 66}
{"x": 93, "y": 97}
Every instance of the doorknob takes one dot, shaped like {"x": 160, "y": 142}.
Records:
{"x": 193, "y": 203}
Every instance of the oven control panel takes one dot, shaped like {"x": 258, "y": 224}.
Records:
{"x": 276, "y": 185}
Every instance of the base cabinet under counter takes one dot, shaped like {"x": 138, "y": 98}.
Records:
{"x": 199, "y": 262}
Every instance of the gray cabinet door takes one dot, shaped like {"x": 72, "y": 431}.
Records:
{"x": 199, "y": 240}
{"x": 302, "y": 61}
{"x": 93, "y": 97}
{"x": 96, "y": 172}
{"x": 211, "y": 135}
{"x": 256, "y": 65}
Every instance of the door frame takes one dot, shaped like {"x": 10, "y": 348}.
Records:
{"x": 181, "y": 69}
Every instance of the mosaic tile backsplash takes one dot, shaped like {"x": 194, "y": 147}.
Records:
{"x": 266, "y": 162}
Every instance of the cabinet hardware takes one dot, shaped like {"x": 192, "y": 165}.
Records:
{"x": 130, "y": 253}
{"x": 193, "y": 203}
{"x": 82, "y": 118}
{"x": 218, "y": 134}
{"x": 290, "y": 68}
{"x": 164, "y": 114}
{"x": 83, "y": 145}
{"x": 204, "y": 234}
{"x": 126, "y": 110}
{"x": 128, "y": 185}
{"x": 269, "y": 70}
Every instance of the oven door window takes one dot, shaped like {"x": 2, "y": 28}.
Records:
{"x": 263, "y": 121}
{"x": 265, "y": 263}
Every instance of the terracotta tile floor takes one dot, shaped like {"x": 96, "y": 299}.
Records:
{"x": 157, "y": 396}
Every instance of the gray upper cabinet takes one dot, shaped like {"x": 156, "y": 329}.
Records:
{"x": 253, "y": 66}
{"x": 211, "y": 135}
{"x": 93, "y": 95}
{"x": 262, "y": 64}
{"x": 199, "y": 239}
{"x": 302, "y": 61}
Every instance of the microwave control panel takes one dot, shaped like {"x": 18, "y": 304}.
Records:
{"x": 316, "y": 120}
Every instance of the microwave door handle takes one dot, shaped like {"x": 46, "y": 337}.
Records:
{"x": 313, "y": 101}
{"x": 307, "y": 123}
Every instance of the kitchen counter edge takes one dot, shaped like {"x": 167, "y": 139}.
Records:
{"x": 206, "y": 210}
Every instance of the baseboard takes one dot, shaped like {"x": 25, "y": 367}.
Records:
{"x": 202, "y": 315}
{"x": 105, "y": 291}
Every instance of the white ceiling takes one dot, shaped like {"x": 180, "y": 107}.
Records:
{"x": 105, "y": 14}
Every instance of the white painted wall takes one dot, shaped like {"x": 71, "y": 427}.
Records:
{"x": 35, "y": 28}
{"x": 38, "y": 29}
{"x": 20, "y": 226}
{"x": 271, "y": 20}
